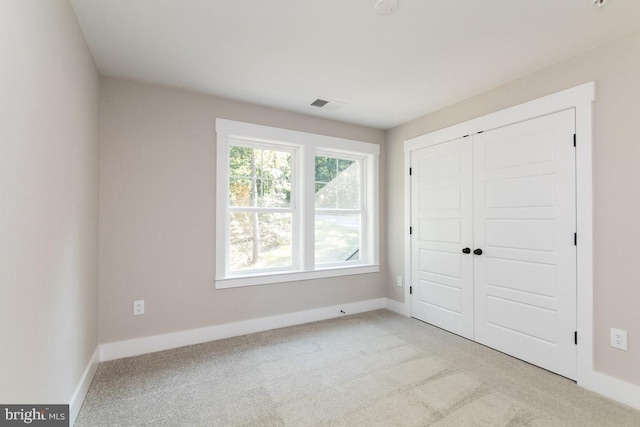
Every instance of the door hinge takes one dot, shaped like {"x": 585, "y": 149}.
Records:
{"x": 410, "y": 290}
{"x": 574, "y": 139}
{"x": 575, "y": 337}
{"x": 410, "y": 171}
{"x": 410, "y": 230}
{"x": 575, "y": 239}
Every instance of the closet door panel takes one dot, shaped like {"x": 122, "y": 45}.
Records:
{"x": 441, "y": 215}
{"x": 524, "y": 222}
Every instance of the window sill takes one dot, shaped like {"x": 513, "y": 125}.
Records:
{"x": 294, "y": 276}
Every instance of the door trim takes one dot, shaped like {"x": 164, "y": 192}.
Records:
{"x": 579, "y": 98}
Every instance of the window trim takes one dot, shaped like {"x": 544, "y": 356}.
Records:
{"x": 307, "y": 146}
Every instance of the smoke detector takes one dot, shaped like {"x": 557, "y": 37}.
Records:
{"x": 386, "y": 7}
{"x": 599, "y": 3}
{"x": 327, "y": 104}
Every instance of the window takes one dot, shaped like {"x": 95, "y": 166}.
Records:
{"x": 293, "y": 205}
{"x": 338, "y": 209}
{"x": 261, "y": 211}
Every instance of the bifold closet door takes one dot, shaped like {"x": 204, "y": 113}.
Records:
{"x": 441, "y": 215}
{"x": 524, "y": 223}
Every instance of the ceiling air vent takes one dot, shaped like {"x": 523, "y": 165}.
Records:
{"x": 327, "y": 104}
{"x": 319, "y": 103}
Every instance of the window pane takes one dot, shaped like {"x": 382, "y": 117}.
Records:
{"x": 240, "y": 159}
{"x": 260, "y": 240}
{"x": 344, "y": 164}
{"x": 275, "y": 179}
{"x": 337, "y": 238}
{"x": 337, "y": 183}
{"x": 259, "y": 177}
{"x": 240, "y": 191}
{"x": 347, "y": 197}
{"x": 326, "y": 197}
{"x": 326, "y": 168}
{"x": 274, "y": 193}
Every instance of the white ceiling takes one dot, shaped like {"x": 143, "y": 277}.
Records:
{"x": 386, "y": 69}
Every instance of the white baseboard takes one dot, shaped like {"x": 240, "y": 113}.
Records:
{"x": 138, "y": 346}
{"x": 397, "y": 307}
{"x": 613, "y": 388}
{"x": 83, "y": 386}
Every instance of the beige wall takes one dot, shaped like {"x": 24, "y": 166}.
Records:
{"x": 48, "y": 202}
{"x": 616, "y": 70}
{"x": 157, "y": 214}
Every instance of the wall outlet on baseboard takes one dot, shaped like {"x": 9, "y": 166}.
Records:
{"x": 618, "y": 338}
{"x": 399, "y": 281}
{"x": 138, "y": 307}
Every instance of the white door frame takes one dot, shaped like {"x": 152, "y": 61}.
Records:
{"x": 579, "y": 98}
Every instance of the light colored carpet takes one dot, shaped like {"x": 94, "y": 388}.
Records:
{"x": 370, "y": 369}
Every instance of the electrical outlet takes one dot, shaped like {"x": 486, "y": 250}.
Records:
{"x": 138, "y": 307}
{"x": 618, "y": 338}
{"x": 399, "y": 281}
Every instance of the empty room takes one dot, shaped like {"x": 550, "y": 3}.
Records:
{"x": 310, "y": 213}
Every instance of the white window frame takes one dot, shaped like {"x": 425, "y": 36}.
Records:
{"x": 293, "y": 209}
{"x": 305, "y": 147}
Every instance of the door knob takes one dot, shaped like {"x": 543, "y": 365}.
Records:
{"x": 466, "y": 251}
{"x": 478, "y": 252}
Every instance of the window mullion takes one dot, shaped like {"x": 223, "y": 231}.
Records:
{"x": 296, "y": 234}
{"x": 365, "y": 218}
{"x": 339, "y": 211}
{"x": 308, "y": 211}
{"x": 250, "y": 209}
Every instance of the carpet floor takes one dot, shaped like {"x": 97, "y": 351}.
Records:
{"x": 370, "y": 369}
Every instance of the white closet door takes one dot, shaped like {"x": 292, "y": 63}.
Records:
{"x": 441, "y": 212}
{"x": 524, "y": 222}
